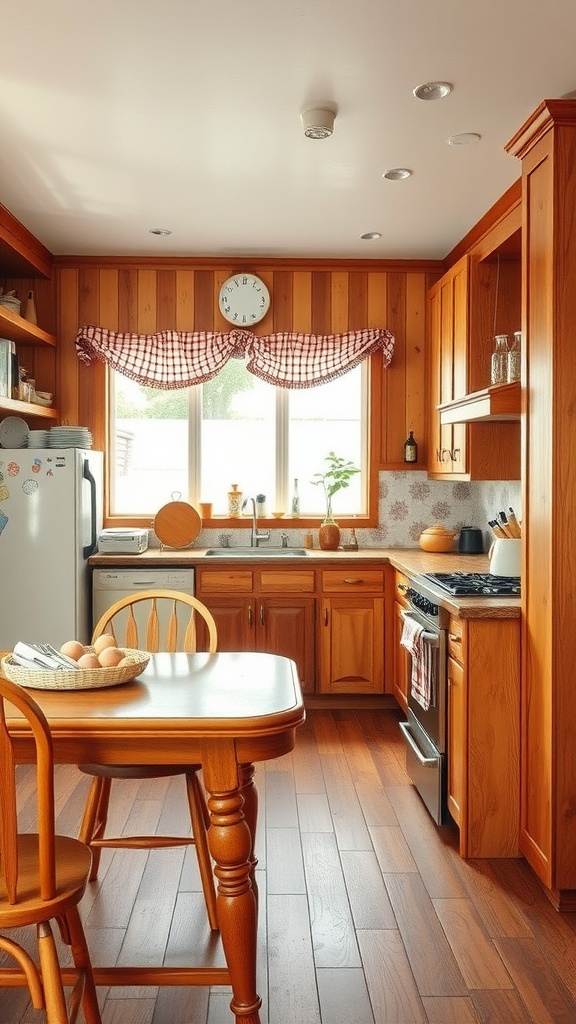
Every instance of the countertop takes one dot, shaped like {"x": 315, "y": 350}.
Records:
{"x": 412, "y": 561}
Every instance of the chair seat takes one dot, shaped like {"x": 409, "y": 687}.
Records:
{"x": 137, "y": 771}
{"x": 73, "y": 861}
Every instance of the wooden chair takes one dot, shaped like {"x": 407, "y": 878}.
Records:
{"x": 42, "y": 878}
{"x": 153, "y": 620}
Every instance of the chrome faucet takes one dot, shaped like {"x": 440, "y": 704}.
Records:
{"x": 255, "y": 537}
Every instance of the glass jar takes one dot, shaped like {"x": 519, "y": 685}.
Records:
{"x": 499, "y": 373}
{"x": 513, "y": 365}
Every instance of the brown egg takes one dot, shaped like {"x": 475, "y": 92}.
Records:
{"x": 89, "y": 661}
{"x": 101, "y": 642}
{"x": 110, "y": 657}
{"x": 128, "y": 659}
{"x": 73, "y": 649}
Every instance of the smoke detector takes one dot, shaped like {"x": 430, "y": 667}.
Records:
{"x": 318, "y": 122}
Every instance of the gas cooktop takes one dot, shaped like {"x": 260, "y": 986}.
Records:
{"x": 475, "y": 584}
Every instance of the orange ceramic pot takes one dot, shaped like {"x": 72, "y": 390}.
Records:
{"x": 329, "y": 535}
{"x": 437, "y": 538}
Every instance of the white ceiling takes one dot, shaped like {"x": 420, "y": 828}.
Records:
{"x": 117, "y": 116}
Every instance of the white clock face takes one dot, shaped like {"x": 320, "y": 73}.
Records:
{"x": 244, "y": 299}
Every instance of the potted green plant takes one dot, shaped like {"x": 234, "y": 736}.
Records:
{"x": 335, "y": 478}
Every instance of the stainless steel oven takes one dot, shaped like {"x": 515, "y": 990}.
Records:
{"x": 426, "y": 728}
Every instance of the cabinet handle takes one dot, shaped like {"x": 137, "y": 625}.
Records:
{"x": 455, "y": 454}
{"x": 445, "y": 453}
{"x": 454, "y": 638}
{"x": 353, "y": 582}
{"x": 261, "y": 614}
{"x": 325, "y": 616}
{"x": 250, "y": 616}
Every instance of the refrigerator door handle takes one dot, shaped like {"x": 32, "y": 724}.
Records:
{"x": 90, "y": 548}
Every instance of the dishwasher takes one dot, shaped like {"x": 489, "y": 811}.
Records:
{"x": 111, "y": 585}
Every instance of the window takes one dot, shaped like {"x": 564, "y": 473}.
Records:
{"x": 236, "y": 428}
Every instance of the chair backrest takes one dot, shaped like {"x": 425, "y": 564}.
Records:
{"x": 11, "y": 694}
{"x": 158, "y": 620}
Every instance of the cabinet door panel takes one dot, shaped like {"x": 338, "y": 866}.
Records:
{"x": 234, "y": 618}
{"x": 285, "y": 626}
{"x": 352, "y": 645}
{"x": 401, "y": 659}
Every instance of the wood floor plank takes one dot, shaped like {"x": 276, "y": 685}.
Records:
{"x": 393, "y": 993}
{"x": 285, "y": 867}
{"x": 332, "y": 926}
{"x": 432, "y": 960}
{"x": 460, "y": 1010}
{"x": 182, "y": 1006}
{"x": 545, "y": 994}
{"x": 474, "y": 952}
{"x": 292, "y": 992}
{"x": 314, "y": 812}
{"x": 349, "y": 823}
{"x": 149, "y": 926}
{"x": 281, "y": 807}
{"x": 439, "y": 874}
{"x": 499, "y": 913}
{"x": 392, "y": 850}
{"x": 496, "y": 1007}
{"x": 367, "y": 894}
{"x": 344, "y": 997}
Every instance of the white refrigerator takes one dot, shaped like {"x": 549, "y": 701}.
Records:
{"x": 50, "y": 519}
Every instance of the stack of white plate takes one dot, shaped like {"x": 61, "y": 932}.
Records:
{"x": 38, "y": 439}
{"x": 69, "y": 437}
{"x": 13, "y": 432}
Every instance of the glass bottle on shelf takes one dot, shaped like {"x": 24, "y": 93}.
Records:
{"x": 295, "y": 499}
{"x": 513, "y": 365}
{"x": 410, "y": 448}
{"x": 499, "y": 372}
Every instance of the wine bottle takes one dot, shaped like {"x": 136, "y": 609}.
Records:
{"x": 295, "y": 500}
{"x": 410, "y": 448}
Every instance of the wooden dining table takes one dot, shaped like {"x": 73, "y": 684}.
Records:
{"x": 223, "y": 711}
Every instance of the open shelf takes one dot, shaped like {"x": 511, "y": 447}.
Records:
{"x": 14, "y": 408}
{"x": 17, "y": 329}
{"x": 499, "y": 403}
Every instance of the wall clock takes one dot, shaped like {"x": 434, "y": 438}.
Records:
{"x": 244, "y": 299}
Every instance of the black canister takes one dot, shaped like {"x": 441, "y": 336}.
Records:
{"x": 471, "y": 541}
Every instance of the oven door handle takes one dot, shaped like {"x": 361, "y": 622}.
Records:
{"x": 424, "y": 761}
{"x": 429, "y": 638}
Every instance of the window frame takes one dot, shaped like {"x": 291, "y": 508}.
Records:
{"x": 369, "y": 519}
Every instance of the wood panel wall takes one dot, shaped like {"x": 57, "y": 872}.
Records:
{"x": 145, "y": 297}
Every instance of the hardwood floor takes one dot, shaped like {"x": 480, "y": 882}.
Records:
{"x": 368, "y": 914}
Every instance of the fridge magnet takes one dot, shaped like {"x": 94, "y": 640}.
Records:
{"x": 30, "y": 486}
{"x": 3, "y": 521}
{"x": 36, "y": 466}
{"x": 4, "y": 492}
{"x": 13, "y": 469}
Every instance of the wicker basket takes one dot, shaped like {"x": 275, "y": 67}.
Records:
{"x": 76, "y": 679}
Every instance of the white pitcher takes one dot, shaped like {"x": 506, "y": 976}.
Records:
{"x": 506, "y": 557}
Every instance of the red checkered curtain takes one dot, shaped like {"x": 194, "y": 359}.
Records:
{"x": 179, "y": 359}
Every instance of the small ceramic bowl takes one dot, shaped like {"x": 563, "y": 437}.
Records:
{"x": 437, "y": 538}
{"x": 277, "y": 515}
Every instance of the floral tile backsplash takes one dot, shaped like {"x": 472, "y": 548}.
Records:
{"x": 408, "y": 503}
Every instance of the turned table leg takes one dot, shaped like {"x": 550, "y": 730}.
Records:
{"x": 231, "y": 844}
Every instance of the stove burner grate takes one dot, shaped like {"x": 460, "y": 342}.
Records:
{"x": 475, "y": 584}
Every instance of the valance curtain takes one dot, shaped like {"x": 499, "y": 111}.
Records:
{"x": 178, "y": 359}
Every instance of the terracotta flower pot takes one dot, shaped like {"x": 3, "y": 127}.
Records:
{"x": 329, "y": 535}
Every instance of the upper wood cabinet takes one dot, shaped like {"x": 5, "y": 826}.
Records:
{"x": 476, "y": 294}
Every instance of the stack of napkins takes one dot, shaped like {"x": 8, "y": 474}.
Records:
{"x": 41, "y": 656}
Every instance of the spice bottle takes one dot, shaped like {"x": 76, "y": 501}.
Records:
{"x": 234, "y": 502}
{"x": 295, "y": 500}
{"x": 410, "y": 448}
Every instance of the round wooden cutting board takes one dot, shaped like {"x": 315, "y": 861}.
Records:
{"x": 177, "y": 524}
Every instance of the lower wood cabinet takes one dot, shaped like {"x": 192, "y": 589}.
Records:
{"x": 484, "y": 734}
{"x": 264, "y": 611}
{"x": 352, "y": 631}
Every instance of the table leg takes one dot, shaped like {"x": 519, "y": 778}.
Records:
{"x": 231, "y": 845}
{"x": 250, "y": 808}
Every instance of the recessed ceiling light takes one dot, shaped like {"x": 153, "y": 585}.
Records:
{"x": 160, "y": 231}
{"x": 432, "y": 91}
{"x": 397, "y": 173}
{"x": 464, "y": 139}
{"x": 370, "y": 235}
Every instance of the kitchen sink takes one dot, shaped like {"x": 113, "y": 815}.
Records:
{"x": 267, "y": 552}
